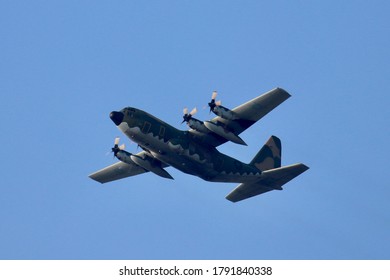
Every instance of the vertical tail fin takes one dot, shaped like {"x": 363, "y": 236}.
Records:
{"x": 270, "y": 155}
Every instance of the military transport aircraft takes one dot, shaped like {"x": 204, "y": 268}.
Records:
{"x": 195, "y": 151}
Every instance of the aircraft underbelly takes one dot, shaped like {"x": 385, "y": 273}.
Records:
{"x": 175, "y": 156}
{"x": 201, "y": 164}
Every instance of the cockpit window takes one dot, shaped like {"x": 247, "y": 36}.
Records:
{"x": 130, "y": 112}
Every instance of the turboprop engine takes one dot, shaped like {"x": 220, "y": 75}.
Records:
{"x": 192, "y": 122}
{"x": 151, "y": 164}
{"x": 145, "y": 161}
{"x": 219, "y": 129}
{"x": 120, "y": 153}
{"x": 219, "y": 110}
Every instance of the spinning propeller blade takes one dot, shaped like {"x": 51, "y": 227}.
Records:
{"x": 214, "y": 95}
{"x": 187, "y": 116}
{"x": 212, "y": 104}
{"x": 194, "y": 111}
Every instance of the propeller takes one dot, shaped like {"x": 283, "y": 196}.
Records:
{"x": 117, "y": 148}
{"x": 187, "y": 116}
{"x": 213, "y": 103}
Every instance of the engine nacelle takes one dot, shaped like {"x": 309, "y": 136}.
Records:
{"x": 223, "y": 132}
{"x": 145, "y": 162}
{"x": 225, "y": 113}
{"x": 197, "y": 125}
{"x": 124, "y": 156}
{"x": 151, "y": 165}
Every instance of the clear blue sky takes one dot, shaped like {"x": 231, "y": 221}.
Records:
{"x": 65, "y": 65}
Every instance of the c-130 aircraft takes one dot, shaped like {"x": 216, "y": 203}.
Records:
{"x": 195, "y": 151}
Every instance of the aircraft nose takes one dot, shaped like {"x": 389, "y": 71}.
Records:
{"x": 116, "y": 117}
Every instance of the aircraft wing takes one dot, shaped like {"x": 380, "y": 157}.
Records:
{"x": 272, "y": 179}
{"x": 116, "y": 171}
{"x": 122, "y": 170}
{"x": 248, "y": 114}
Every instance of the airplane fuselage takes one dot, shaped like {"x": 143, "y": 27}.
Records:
{"x": 182, "y": 150}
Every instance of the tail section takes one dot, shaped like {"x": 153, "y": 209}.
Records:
{"x": 270, "y": 180}
{"x": 270, "y": 155}
{"x": 272, "y": 177}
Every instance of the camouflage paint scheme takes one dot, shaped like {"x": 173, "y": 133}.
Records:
{"x": 195, "y": 152}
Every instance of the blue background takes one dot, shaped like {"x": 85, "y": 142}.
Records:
{"x": 65, "y": 65}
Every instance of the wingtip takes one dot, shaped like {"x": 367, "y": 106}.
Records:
{"x": 95, "y": 179}
{"x": 284, "y": 92}
{"x": 305, "y": 167}
{"x": 230, "y": 199}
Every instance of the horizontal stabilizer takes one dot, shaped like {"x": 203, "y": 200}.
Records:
{"x": 272, "y": 179}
